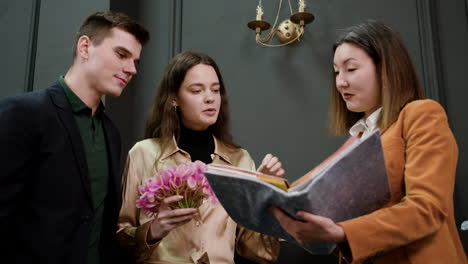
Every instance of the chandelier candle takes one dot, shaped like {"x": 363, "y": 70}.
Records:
{"x": 259, "y": 11}
{"x": 301, "y": 5}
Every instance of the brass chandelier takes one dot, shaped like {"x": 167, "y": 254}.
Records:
{"x": 289, "y": 31}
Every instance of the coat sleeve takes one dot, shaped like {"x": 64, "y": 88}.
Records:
{"x": 132, "y": 232}
{"x": 431, "y": 155}
{"x": 18, "y": 144}
{"x": 254, "y": 246}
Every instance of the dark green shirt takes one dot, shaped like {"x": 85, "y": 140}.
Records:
{"x": 94, "y": 143}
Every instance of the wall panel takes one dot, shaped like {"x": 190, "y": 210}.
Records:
{"x": 17, "y": 28}
{"x": 59, "y": 21}
{"x": 453, "y": 35}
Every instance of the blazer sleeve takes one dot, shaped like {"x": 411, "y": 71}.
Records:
{"x": 429, "y": 178}
{"x": 255, "y": 246}
{"x": 18, "y": 145}
{"x": 131, "y": 232}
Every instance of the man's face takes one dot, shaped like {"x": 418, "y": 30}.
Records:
{"x": 112, "y": 63}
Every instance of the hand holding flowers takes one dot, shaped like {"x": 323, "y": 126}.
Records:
{"x": 173, "y": 197}
{"x": 167, "y": 219}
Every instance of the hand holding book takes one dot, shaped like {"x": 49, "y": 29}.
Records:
{"x": 310, "y": 228}
{"x": 349, "y": 183}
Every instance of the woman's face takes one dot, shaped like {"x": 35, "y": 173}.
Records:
{"x": 199, "y": 97}
{"x": 356, "y": 79}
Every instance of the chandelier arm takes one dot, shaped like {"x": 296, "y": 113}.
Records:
{"x": 277, "y": 13}
{"x": 270, "y": 35}
{"x": 273, "y": 28}
{"x": 280, "y": 45}
{"x": 290, "y": 8}
{"x": 301, "y": 30}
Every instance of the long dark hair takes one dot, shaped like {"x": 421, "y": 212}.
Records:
{"x": 163, "y": 121}
{"x": 395, "y": 72}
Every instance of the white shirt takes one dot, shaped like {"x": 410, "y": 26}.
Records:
{"x": 365, "y": 126}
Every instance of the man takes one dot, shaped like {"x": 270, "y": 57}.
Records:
{"x": 60, "y": 174}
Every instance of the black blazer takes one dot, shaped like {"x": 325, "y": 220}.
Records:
{"x": 45, "y": 193}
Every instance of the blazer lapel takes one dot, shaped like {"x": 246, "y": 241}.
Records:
{"x": 113, "y": 152}
{"x": 68, "y": 120}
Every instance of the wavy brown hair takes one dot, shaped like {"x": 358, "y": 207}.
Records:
{"x": 164, "y": 121}
{"x": 396, "y": 75}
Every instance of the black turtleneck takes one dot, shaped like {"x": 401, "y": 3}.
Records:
{"x": 199, "y": 144}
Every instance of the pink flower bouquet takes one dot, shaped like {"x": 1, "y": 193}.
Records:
{"x": 187, "y": 180}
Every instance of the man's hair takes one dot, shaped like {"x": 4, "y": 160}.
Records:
{"x": 396, "y": 75}
{"x": 98, "y": 26}
{"x": 164, "y": 120}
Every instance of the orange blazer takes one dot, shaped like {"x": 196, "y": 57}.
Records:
{"x": 417, "y": 226}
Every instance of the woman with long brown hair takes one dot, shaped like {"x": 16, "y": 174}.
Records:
{"x": 189, "y": 121}
{"x": 375, "y": 87}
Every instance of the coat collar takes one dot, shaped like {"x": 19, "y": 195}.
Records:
{"x": 65, "y": 113}
{"x": 58, "y": 97}
{"x": 220, "y": 150}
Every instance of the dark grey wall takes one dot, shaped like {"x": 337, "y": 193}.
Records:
{"x": 280, "y": 96}
{"x": 37, "y": 40}
{"x": 17, "y": 29}
{"x": 58, "y": 22}
{"x": 453, "y": 34}
{"x": 274, "y": 84}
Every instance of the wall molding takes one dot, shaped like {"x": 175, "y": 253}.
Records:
{"x": 175, "y": 34}
{"x": 430, "y": 51}
{"x": 466, "y": 10}
{"x": 32, "y": 45}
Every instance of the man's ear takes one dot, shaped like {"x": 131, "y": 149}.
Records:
{"x": 82, "y": 47}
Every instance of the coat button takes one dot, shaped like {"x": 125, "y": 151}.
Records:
{"x": 85, "y": 219}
